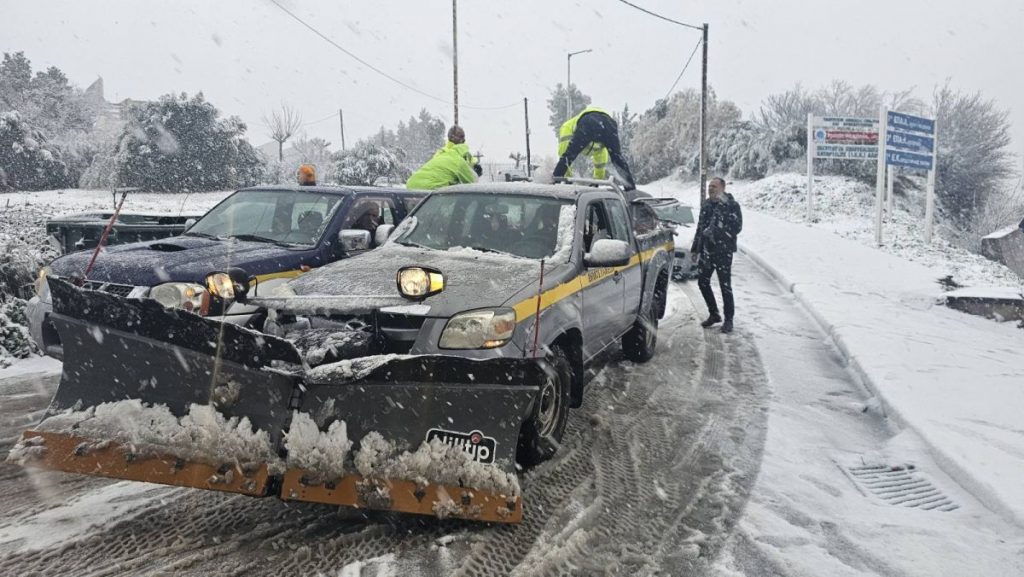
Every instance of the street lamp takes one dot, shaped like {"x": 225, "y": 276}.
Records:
{"x": 568, "y": 81}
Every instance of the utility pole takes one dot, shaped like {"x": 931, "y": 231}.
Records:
{"x": 341, "y": 120}
{"x": 568, "y": 81}
{"x": 455, "y": 60}
{"x": 526, "y": 117}
{"x": 704, "y": 117}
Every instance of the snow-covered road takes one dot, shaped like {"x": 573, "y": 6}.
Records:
{"x": 720, "y": 457}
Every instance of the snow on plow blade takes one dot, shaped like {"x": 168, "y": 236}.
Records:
{"x": 164, "y": 396}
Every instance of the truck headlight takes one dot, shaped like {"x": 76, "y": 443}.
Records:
{"x": 43, "y": 289}
{"x": 482, "y": 329}
{"x": 220, "y": 285}
{"x": 416, "y": 282}
{"x": 182, "y": 295}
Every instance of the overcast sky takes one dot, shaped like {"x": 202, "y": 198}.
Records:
{"x": 247, "y": 57}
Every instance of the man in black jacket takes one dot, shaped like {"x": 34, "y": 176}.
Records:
{"x": 713, "y": 244}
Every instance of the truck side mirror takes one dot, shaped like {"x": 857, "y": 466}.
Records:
{"x": 382, "y": 233}
{"x": 353, "y": 239}
{"x": 607, "y": 252}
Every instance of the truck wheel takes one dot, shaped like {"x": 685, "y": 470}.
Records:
{"x": 639, "y": 343}
{"x": 542, "y": 432}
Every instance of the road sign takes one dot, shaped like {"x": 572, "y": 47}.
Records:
{"x": 908, "y": 123}
{"x": 909, "y": 142}
{"x": 843, "y": 137}
{"x": 908, "y": 159}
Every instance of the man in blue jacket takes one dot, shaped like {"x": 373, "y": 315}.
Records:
{"x": 714, "y": 243}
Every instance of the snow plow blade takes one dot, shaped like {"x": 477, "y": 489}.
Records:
{"x": 164, "y": 396}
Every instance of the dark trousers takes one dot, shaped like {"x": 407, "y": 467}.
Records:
{"x": 722, "y": 263}
{"x": 600, "y": 128}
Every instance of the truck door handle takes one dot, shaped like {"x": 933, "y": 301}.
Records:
{"x": 617, "y": 276}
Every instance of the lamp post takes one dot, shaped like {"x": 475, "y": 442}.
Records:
{"x": 568, "y": 81}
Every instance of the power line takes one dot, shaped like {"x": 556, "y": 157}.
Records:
{"x": 655, "y": 14}
{"x": 378, "y": 70}
{"x": 685, "y": 66}
{"x": 328, "y": 117}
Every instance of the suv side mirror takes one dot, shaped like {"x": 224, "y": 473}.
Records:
{"x": 353, "y": 239}
{"x": 607, "y": 252}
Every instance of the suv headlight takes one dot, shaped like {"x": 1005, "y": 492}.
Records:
{"x": 43, "y": 289}
{"x": 182, "y": 295}
{"x": 482, "y": 329}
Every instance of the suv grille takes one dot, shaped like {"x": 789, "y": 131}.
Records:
{"x": 120, "y": 290}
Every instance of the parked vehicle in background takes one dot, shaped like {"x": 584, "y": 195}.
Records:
{"x": 682, "y": 218}
{"x": 75, "y": 232}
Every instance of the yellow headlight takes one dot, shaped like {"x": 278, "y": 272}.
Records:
{"x": 220, "y": 285}
{"x": 416, "y": 282}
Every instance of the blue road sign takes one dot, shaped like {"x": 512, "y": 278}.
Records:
{"x": 912, "y": 123}
{"x": 909, "y": 142}
{"x": 908, "y": 159}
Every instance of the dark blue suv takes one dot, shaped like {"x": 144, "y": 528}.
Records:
{"x": 273, "y": 233}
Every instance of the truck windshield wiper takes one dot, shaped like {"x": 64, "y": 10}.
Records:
{"x": 412, "y": 244}
{"x": 257, "y": 238}
{"x": 494, "y": 250}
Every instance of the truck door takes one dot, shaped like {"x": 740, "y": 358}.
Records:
{"x": 632, "y": 276}
{"x": 603, "y": 287}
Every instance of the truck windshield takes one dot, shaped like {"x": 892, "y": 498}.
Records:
{"x": 523, "y": 226}
{"x": 270, "y": 216}
{"x": 676, "y": 213}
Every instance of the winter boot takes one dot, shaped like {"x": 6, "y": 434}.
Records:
{"x": 727, "y": 326}
{"x": 712, "y": 319}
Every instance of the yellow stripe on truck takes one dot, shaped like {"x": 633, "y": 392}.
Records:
{"x": 274, "y": 275}
{"x": 528, "y": 307}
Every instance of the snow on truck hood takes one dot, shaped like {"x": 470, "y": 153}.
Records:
{"x": 180, "y": 258}
{"x": 473, "y": 279}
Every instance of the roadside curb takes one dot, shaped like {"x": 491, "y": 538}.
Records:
{"x": 959, "y": 472}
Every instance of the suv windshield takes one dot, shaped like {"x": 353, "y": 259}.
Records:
{"x": 524, "y": 226}
{"x": 270, "y": 216}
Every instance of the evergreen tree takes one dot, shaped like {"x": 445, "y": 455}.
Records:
{"x": 557, "y": 102}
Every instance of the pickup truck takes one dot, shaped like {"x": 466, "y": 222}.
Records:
{"x": 274, "y": 232}
{"x": 472, "y": 262}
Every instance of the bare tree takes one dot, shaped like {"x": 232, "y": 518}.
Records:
{"x": 283, "y": 124}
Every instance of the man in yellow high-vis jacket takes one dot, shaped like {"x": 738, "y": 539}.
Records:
{"x": 451, "y": 164}
{"x": 592, "y": 132}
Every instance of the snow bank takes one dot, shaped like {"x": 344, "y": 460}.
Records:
{"x": 321, "y": 453}
{"x": 202, "y": 435}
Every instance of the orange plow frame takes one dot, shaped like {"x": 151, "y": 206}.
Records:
{"x": 106, "y": 459}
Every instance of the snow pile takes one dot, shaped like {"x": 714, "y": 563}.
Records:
{"x": 315, "y": 451}
{"x": 434, "y": 462}
{"x": 350, "y": 369}
{"x": 846, "y": 207}
{"x": 202, "y": 435}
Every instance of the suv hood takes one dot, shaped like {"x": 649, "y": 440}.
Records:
{"x": 473, "y": 279}
{"x": 180, "y": 258}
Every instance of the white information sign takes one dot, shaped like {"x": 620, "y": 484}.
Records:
{"x": 844, "y": 138}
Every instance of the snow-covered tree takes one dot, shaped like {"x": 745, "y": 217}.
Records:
{"x": 974, "y": 160}
{"x": 282, "y": 124}
{"x": 366, "y": 163}
{"x": 179, "y": 144}
{"x": 27, "y": 162}
{"x": 557, "y": 102}
{"x": 46, "y": 101}
{"x": 420, "y": 137}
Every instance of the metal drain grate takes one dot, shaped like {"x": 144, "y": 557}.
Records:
{"x": 900, "y": 485}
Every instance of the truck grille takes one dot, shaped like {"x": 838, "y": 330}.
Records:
{"x": 121, "y": 290}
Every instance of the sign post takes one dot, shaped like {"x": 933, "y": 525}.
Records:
{"x": 910, "y": 142}
{"x": 880, "y": 178}
{"x": 840, "y": 138}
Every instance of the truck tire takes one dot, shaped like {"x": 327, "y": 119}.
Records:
{"x": 639, "y": 343}
{"x": 541, "y": 434}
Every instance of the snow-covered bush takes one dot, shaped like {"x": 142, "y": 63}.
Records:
{"x": 27, "y": 162}
{"x": 179, "y": 144}
{"x": 366, "y": 163}
{"x": 14, "y": 341}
